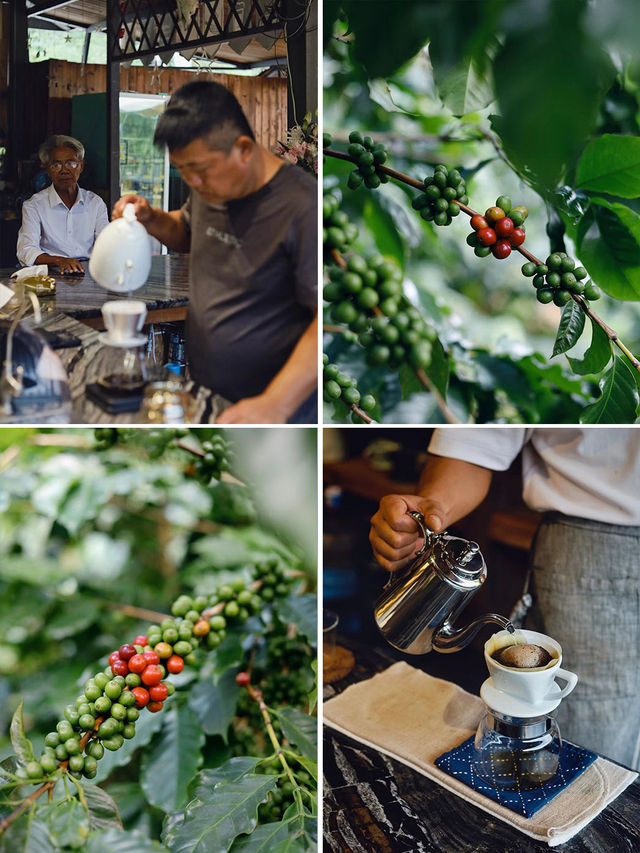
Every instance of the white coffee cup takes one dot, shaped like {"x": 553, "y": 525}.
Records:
{"x": 535, "y": 685}
{"x": 124, "y": 318}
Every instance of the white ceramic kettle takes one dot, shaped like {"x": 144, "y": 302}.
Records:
{"x": 121, "y": 256}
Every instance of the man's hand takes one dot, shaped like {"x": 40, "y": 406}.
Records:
{"x": 394, "y": 535}
{"x": 253, "y": 410}
{"x": 67, "y": 265}
{"x": 144, "y": 211}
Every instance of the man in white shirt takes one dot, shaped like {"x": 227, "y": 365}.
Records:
{"x": 60, "y": 223}
{"x": 585, "y": 559}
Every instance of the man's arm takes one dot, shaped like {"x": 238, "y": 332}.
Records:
{"x": 166, "y": 226}
{"x": 290, "y": 387}
{"x": 28, "y": 247}
{"x": 449, "y": 489}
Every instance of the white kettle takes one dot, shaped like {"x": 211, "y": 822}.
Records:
{"x": 121, "y": 256}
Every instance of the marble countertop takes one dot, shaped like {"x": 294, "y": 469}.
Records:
{"x": 375, "y": 804}
{"x": 81, "y": 297}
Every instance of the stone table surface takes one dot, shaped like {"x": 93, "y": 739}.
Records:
{"x": 78, "y": 299}
{"x": 81, "y": 297}
{"x": 375, "y": 804}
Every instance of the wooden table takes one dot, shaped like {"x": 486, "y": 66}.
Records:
{"x": 374, "y": 804}
{"x": 75, "y": 309}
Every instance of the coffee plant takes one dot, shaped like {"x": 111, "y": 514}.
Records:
{"x": 138, "y": 724}
{"x": 420, "y": 130}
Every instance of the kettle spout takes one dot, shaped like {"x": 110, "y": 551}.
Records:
{"x": 448, "y": 639}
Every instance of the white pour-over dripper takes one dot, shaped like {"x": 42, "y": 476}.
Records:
{"x": 517, "y": 744}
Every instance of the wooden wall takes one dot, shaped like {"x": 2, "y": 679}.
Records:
{"x": 54, "y": 82}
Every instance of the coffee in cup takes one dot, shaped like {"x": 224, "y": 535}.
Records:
{"x": 534, "y": 684}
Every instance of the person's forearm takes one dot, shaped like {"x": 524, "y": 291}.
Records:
{"x": 44, "y": 258}
{"x": 457, "y": 487}
{"x": 169, "y": 228}
{"x": 297, "y": 378}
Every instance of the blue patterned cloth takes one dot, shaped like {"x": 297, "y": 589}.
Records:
{"x": 573, "y": 761}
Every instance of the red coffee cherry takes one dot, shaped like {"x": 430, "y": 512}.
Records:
{"x": 137, "y": 663}
{"x": 478, "y": 222}
{"x": 243, "y": 679}
{"x": 158, "y": 693}
{"x": 113, "y": 657}
{"x": 501, "y": 249}
{"x": 126, "y": 651}
{"x": 175, "y": 664}
{"x": 120, "y": 667}
{"x": 486, "y": 236}
{"x": 141, "y": 640}
{"x": 504, "y": 227}
{"x": 154, "y": 707}
{"x": 142, "y": 696}
{"x": 152, "y": 675}
{"x": 516, "y": 238}
{"x": 151, "y": 657}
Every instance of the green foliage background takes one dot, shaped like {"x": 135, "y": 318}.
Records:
{"x": 86, "y": 535}
{"x": 536, "y": 99}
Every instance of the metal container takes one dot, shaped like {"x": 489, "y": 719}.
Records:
{"x": 417, "y": 607}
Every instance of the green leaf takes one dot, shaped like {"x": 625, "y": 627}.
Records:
{"x": 19, "y": 741}
{"x": 309, "y": 764}
{"x": 609, "y": 246}
{"x": 596, "y": 356}
{"x": 171, "y": 762}
{"x": 382, "y": 224}
{"x": 303, "y": 610}
{"x": 535, "y": 89}
{"x": 232, "y": 770}
{"x": 103, "y": 812}
{"x": 214, "y": 704}
{"x": 465, "y": 88}
{"x": 69, "y": 619}
{"x": 618, "y": 402}
{"x": 264, "y": 837}
{"x": 212, "y": 824}
{"x": 67, "y": 822}
{"x": 439, "y": 367}
{"x": 570, "y": 328}
{"x": 611, "y": 164}
{"x": 299, "y": 729}
{"x": 27, "y": 835}
{"x": 118, "y": 841}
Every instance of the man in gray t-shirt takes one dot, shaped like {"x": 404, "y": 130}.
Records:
{"x": 250, "y": 227}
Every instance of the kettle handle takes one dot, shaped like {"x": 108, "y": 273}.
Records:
{"x": 429, "y": 537}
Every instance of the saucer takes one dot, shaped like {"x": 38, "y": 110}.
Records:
{"x": 512, "y": 706}
{"x": 125, "y": 343}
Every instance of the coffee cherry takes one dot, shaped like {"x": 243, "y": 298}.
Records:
{"x": 243, "y": 679}
{"x": 163, "y": 650}
{"x": 518, "y": 214}
{"x": 137, "y": 663}
{"x": 142, "y": 696}
{"x": 141, "y": 640}
{"x": 175, "y": 664}
{"x": 504, "y": 202}
{"x": 154, "y": 707}
{"x": 494, "y": 214}
{"x": 528, "y": 269}
{"x": 501, "y": 249}
{"x": 113, "y": 657}
{"x": 151, "y": 675}
{"x": 158, "y": 693}
{"x": 120, "y": 667}
{"x": 48, "y": 763}
{"x": 486, "y": 236}
{"x": 478, "y": 222}
{"x": 591, "y": 290}
{"x": 33, "y": 770}
{"x": 504, "y": 227}
{"x": 126, "y": 651}
{"x": 113, "y": 689}
{"x": 151, "y": 657}
{"x": 517, "y": 237}
{"x": 561, "y": 297}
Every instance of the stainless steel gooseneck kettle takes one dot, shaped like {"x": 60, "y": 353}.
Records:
{"x": 417, "y": 607}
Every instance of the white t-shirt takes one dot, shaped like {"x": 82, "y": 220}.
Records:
{"x": 586, "y": 472}
{"x": 50, "y": 227}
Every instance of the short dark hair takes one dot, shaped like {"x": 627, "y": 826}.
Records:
{"x": 202, "y": 109}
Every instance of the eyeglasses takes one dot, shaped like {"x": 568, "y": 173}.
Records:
{"x": 69, "y": 164}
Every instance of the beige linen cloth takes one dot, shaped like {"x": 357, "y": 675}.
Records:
{"x": 408, "y": 715}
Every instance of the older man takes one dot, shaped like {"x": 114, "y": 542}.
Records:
{"x": 60, "y": 223}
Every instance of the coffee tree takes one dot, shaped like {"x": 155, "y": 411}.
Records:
{"x": 480, "y": 198}
{"x": 157, "y": 647}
